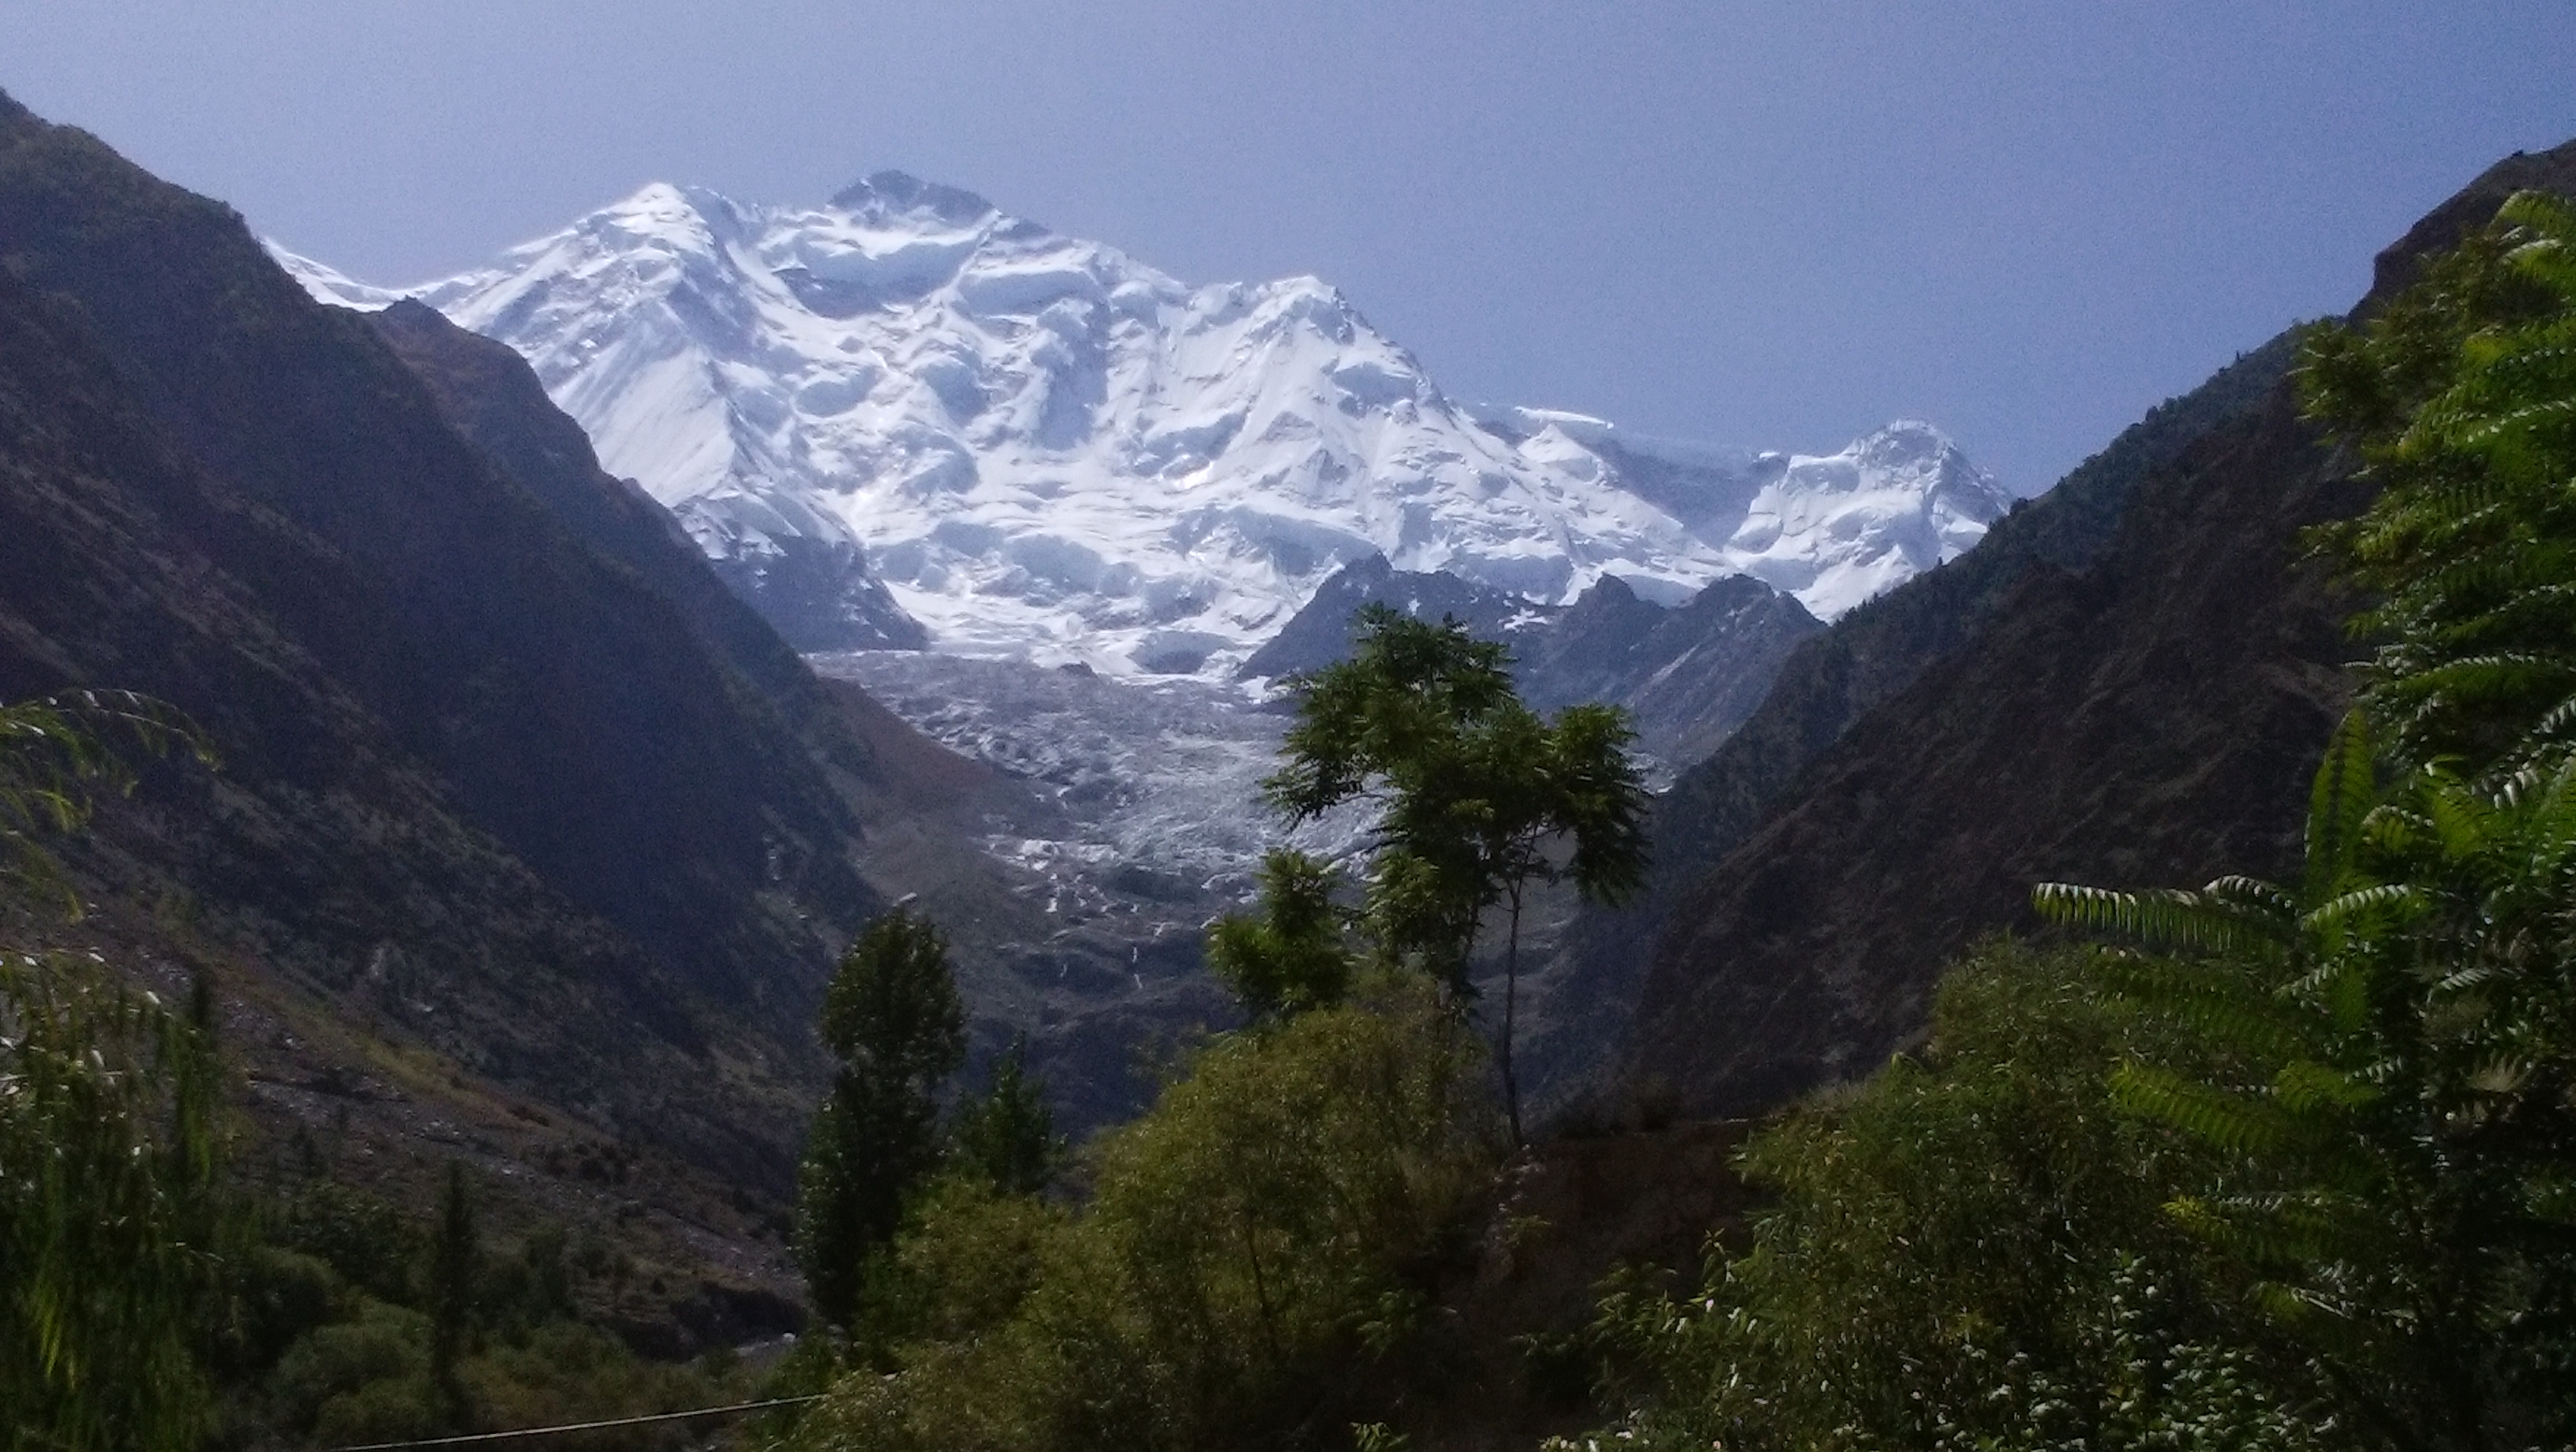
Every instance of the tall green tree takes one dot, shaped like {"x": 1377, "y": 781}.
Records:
{"x": 110, "y": 1214}
{"x": 112, "y": 1226}
{"x": 1006, "y": 1135}
{"x": 891, "y": 1016}
{"x": 455, "y": 1262}
{"x": 1478, "y": 797}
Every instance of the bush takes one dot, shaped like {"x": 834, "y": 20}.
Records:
{"x": 1970, "y": 1250}
{"x": 1269, "y": 1225}
{"x": 364, "y": 1380}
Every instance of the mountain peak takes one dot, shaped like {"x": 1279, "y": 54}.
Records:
{"x": 898, "y": 193}
{"x": 1044, "y": 449}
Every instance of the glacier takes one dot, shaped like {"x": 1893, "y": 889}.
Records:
{"x": 909, "y": 406}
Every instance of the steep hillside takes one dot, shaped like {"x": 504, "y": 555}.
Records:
{"x": 523, "y": 848}
{"x": 2147, "y": 718}
{"x": 490, "y": 396}
{"x": 1589, "y": 979}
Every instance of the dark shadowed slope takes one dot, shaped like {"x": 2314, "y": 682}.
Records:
{"x": 489, "y": 394}
{"x": 501, "y": 793}
{"x": 2149, "y": 718}
{"x": 1831, "y": 679}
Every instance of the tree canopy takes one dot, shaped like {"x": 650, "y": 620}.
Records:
{"x": 892, "y": 1018}
{"x": 1478, "y": 798}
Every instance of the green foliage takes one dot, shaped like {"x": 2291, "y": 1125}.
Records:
{"x": 361, "y": 1380}
{"x": 892, "y": 1017}
{"x": 1966, "y": 1252}
{"x": 314, "y": 1355}
{"x": 363, "y": 1238}
{"x": 51, "y": 752}
{"x": 1251, "y": 1243}
{"x": 2395, "y": 1140}
{"x": 110, "y": 1217}
{"x": 367, "y": 1376}
{"x": 1295, "y": 955}
{"x": 1007, "y": 1135}
{"x": 1475, "y": 792}
{"x": 2461, "y": 396}
{"x": 456, "y": 1254}
{"x": 2395, "y": 1182}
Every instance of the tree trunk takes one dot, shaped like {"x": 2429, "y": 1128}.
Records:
{"x": 1511, "y": 995}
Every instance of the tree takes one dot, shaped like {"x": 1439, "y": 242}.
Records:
{"x": 1008, "y": 1136}
{"x": 2400, "y": 1109}
{"x": 1966, "y": 1250}
{"x": 1256, "y": 1250}
{"x": 1477, "y": 794}
{"x": 2458, "y": 397}
{"x": 892, "y": 1017}
{"x": 111, "y": 1217}
{"x": 110, "y": 1212}
{"x": 1292, "y": 956}
{"x": 455, "y": 1258}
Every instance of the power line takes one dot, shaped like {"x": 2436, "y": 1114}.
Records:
{"x": 582, "y": 1426}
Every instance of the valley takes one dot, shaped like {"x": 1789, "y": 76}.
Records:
{"x": 588, "y": 649}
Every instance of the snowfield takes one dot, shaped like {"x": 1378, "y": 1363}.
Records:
{"x": 1050, "y": 452}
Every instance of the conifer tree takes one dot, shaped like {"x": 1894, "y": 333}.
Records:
{"x": 454, "y": 1260}
{"x": 892, "y": 1018}
{"x": 1007, "y": 1136}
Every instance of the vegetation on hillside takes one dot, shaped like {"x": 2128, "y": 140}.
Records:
{"x": 149, "y": 1302}
{"x": 1256, "y": 1260}
{"x": 2299, "y": 1167}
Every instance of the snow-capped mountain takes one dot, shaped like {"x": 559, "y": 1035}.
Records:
{"x": 1045, "y": 449}
{"x": 1832, "y": 530}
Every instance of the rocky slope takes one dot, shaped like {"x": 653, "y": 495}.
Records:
{"x": 2147, "y": 717}
{"x": 1688, "y": 675}
{"x": 529, "y": 845}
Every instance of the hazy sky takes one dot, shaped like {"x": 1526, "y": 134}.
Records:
{"x": 1773, "y": 224}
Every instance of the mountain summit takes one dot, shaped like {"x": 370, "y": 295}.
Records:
{"x": 909, "y": 409}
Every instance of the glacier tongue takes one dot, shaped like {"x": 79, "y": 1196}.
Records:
{"x": 1046, "y": 450}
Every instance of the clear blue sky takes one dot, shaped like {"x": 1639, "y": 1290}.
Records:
{"x": 1773, "y": 224}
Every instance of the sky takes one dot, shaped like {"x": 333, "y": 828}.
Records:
{"x": 1767, "y": 224}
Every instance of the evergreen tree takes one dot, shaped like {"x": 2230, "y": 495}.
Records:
{"x": 1008, "y": 1136}
{"x": 454, "y": 1259}
{"x": 892, "y": 1018}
